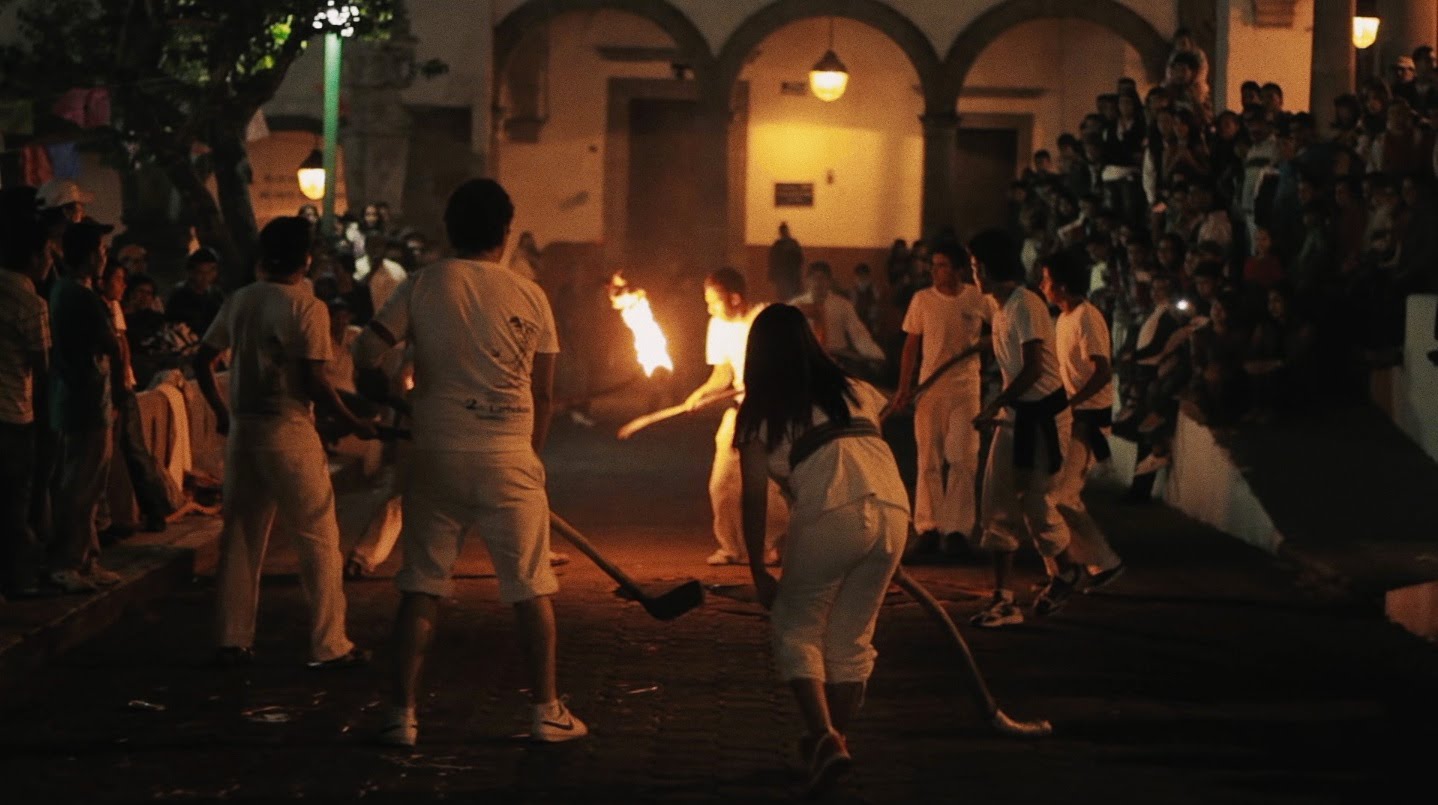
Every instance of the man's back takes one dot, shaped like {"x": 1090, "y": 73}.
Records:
{"x": 80, "y": 383}
{"x": 475, "y": 327}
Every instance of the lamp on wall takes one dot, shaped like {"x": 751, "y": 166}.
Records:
{"x": 829, "y": 78}
{"x": 1365, "y": 32}
{"x": 312, "y": 175}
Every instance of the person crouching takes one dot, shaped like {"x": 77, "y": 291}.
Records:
{"x": 812, "y": 428}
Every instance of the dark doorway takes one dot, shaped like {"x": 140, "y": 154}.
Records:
{"x": 664, "y": 194}
{"x": 987, "y": 161}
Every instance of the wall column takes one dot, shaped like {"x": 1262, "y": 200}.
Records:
{"x": 941, "y": 131}
{"x": 1406, "y": 25}
{"x": 1333, "y": 55}
{"x": 717, "y": 230}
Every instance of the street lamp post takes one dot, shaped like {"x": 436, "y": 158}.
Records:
{"x": 337, "y": 20}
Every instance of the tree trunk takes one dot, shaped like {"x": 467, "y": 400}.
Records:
{"x": 210, "y": 225}
{"x": 232, "y": 183}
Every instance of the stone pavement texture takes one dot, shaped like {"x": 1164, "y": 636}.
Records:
{"x": 1203, "y": 675}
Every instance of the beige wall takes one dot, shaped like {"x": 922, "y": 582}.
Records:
{"x": 863, "y": 152}
{"x": 1282, "y": 55}
{"x": 1069, "y": 62}
{"x": 558, "y": 183}
{"x": 275, "y": 162}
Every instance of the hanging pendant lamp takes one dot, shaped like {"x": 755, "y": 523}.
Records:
{"x": 829, "y": 78}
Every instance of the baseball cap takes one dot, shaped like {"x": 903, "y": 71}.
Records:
{"x": 59, "y": 192}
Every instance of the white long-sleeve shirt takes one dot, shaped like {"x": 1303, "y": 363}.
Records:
{"x": 843, "y": 331}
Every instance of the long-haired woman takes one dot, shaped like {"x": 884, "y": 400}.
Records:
{"x": 813, "y": 429}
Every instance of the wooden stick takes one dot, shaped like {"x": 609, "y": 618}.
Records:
{"x": 640, "y": 423}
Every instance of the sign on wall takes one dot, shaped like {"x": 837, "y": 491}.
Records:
{"x": 793, "y": 194}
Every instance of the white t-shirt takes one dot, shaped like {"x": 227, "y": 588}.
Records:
{"x": 843, "y": 471}
{"x": 475, "y": 327}
{"x": 842, "y": 329}
{"x": 726, "y": 340}
{"x": 949, "y": 325}
{"x": 1021, "y": 319}
{"x": 1082, "y": 334}
{"x": 271, "y": 328}
{"x": 117, "y": 313}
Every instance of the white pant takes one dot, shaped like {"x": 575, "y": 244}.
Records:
{"x": 1088, "y": 547}
{"x": 381, "y": 534}
{"x": 946, "y": 438}
{"x": 502, "y": 496}
{"x": 1019, "y": 504}
{"x": 726, "y": 490}
{"x": 837, "y": 570}
{"x": 293, "y": 485}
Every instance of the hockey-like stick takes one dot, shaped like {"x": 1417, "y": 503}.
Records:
{"x": 977, "y": 686}
{"x": 640, "y": 423}
{"x": 665, "y": 607}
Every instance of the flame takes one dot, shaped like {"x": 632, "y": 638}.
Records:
{"x": 649, "y": 342}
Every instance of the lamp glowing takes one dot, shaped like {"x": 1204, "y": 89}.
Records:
{"x": 1365, "y": 32}
{"x": 830, "y": 77}
{"x": 337, "y": 16}
{"x": 312, "y": 176}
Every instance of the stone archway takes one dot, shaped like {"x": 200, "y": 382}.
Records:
{"x": 1152, "y": 46}
{"x": 759, "y": 25}
{"x": 511, "y": 30}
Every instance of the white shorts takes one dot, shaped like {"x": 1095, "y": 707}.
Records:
{"x": 501, "y": 496}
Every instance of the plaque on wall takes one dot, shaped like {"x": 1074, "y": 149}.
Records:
{"x": 793, "y": 194}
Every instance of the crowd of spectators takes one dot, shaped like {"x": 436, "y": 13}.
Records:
{"x": 1249, "y": 262}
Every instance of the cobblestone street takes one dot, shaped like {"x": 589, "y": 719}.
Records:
{"x": 1204, "y": 675}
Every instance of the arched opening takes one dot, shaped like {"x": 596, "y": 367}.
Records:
{"x": 1151, "y": 46}
{"x": 1031, "y": 83}
{"x": 847, "y": 175}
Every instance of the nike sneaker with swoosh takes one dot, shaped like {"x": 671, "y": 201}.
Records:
{"x": 553, "y": 723}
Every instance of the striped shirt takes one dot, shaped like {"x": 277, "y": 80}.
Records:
{"x": 24, "y": 331}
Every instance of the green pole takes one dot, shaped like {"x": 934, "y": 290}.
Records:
{"x": 333, "y": 47}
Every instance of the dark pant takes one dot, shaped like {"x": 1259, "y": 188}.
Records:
{"x": 84, "y": 470}
{"x": 19, "y": 549}
{"x": 151, "y": 492}
{"x": 45, "y": 481}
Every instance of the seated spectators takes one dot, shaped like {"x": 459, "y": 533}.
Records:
{"x": 156, "y": 343}
{"x": 196, "y": 300}
{"x": 1280, "y": 358}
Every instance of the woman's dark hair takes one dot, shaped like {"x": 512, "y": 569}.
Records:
{"x": 285, "y": 245}
{"x": 786, "y": 375}
{"x": 477, "y": 216}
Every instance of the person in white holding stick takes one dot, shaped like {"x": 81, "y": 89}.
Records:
{"x": 1032, "y": 422}
{"x": 945, "y": 325}
{"x": 1084, "y": 353}
{"x": 730, "y": 316}
{"x": 484, "y": 345}
{"x": 814, "y": 429}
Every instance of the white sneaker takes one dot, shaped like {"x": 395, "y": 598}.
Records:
{"x": 553, "y": 723}
{"x": 722, "y": 557}
{"x": 401, "y": 728}
{"x": 72, "y": 581}
{"x": 1001, "y": 611}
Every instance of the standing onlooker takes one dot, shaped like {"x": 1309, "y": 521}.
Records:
{"x": 275, "y": 465}
{"x": 786, "y": 265}
{"x": 197, "y": 299}
{"x": 484, "y": 344}
{"x": 944, "y": 327}
{"x": 86, "y": 359}
{"x": 379, "y": 273}
{"x": 24, "y": 362}
{"x": 151, "y": 492}
{"x": 1028, "y": 445}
